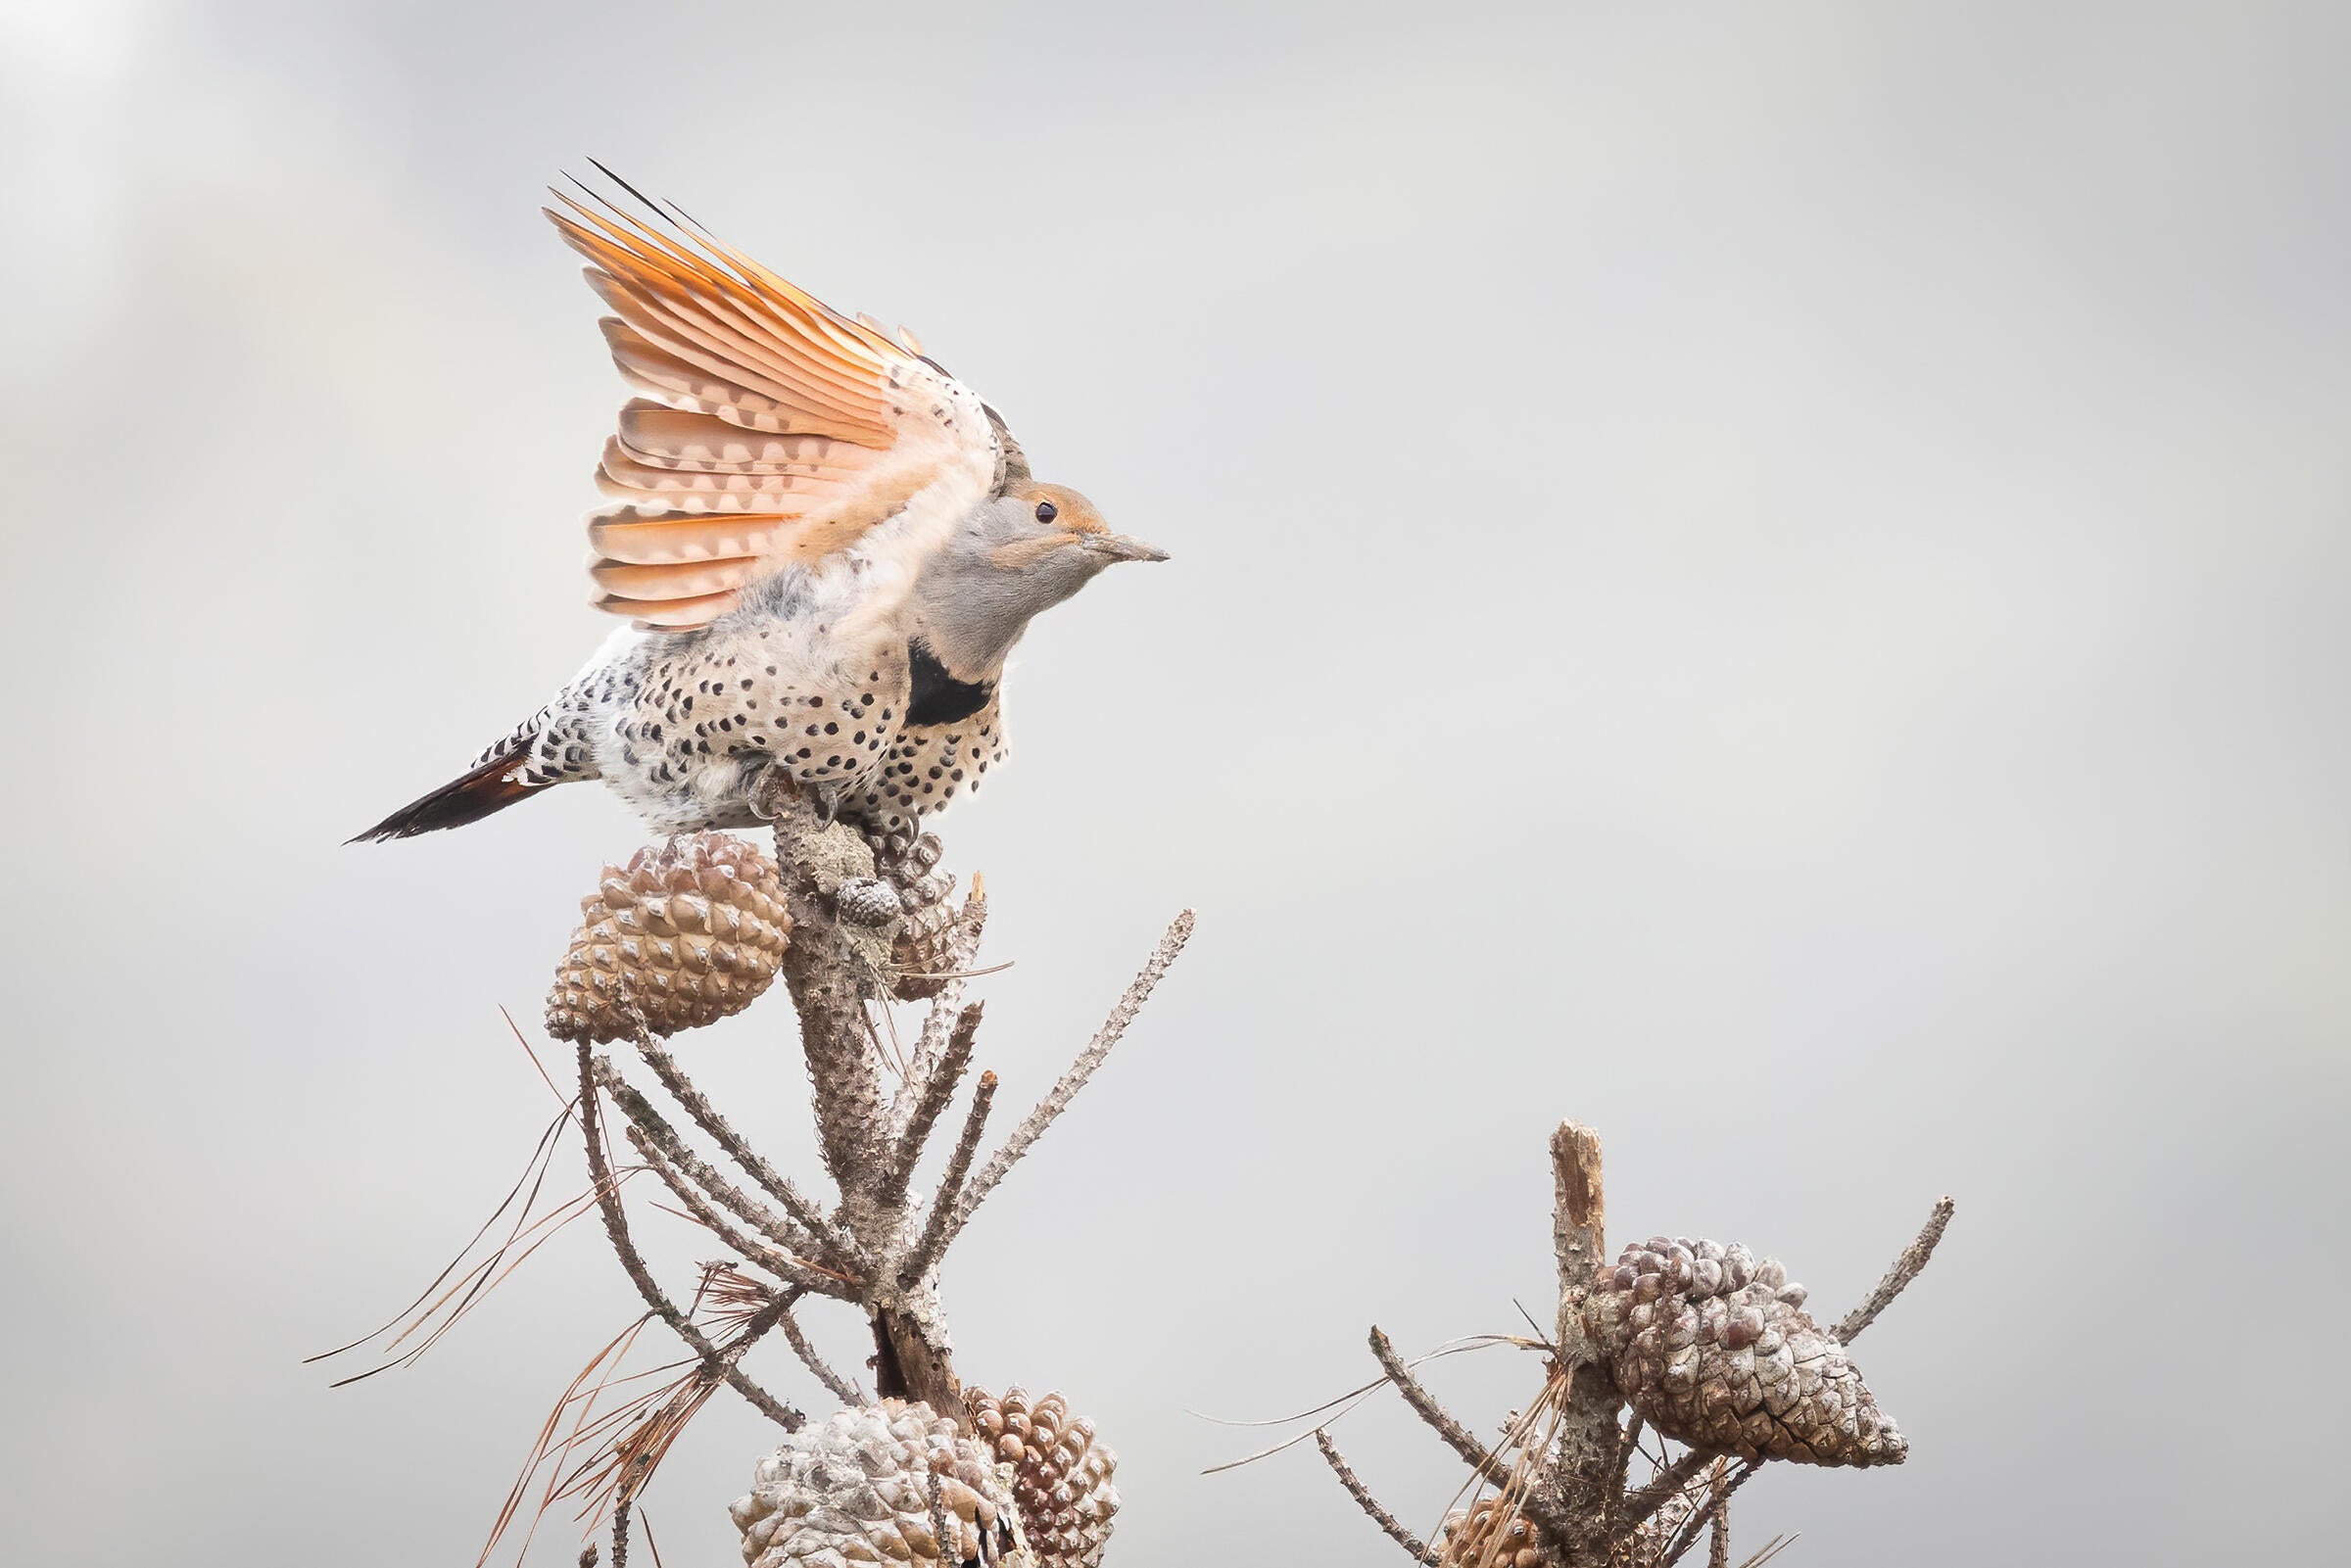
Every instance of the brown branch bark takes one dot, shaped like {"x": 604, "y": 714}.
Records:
{"x": 1581, "y": 1484}
{"x": 908, "y": 1365}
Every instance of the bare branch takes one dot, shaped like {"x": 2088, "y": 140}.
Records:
{"x": 792, "y": 1271}
{"x": 1583, "y": 1484}
{"x": 1628, "y": 1442}
{"x": 1670, "y": 1484}
{"x": 1425, "y": 1406}
{"x": 844, "y": 1067}
{"x": 1363, "y": 1500}
{"x": 837, "y": 1243}
{"x": 1906, "y": 1268}
{"x": 1579, "y": 1209}
{"x": 963, "y": 947}
{"x": 945, "y": 1203}
{"x": 1718, "y": 1546}
{"x": 632, "y": 1263}
{"x": 648, "y": 1122}
{"x": 1716, "y": 1507}
{"x": 938, "y": 1090}
{"x": 1139, "y": 991}
{"x": 840, "y": 1388}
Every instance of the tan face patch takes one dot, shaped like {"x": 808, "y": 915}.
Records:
{"x": 1028, "y": 551}
{"x": 1072, "y": 510}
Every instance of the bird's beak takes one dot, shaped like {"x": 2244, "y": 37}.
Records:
{"x": 1118, "y": 547}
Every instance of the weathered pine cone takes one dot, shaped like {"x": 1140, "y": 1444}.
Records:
{"x": 857, "y": 1489}
{"x": 922, "y": 955}
{"x": 1488, "y": 1534}
{"x": 687, "y": 932}
{"x": 1716, "y": 1350}
{"x": 1061, "y": 1476}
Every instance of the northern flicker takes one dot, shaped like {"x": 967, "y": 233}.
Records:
{"x": 825, "y": 544}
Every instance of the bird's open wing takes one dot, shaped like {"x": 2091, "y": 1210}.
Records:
{"x": 772, "y": 428}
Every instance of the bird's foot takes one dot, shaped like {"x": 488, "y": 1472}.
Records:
{"x": 777, "y": 785}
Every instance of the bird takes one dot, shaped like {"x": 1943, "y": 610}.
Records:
{"x": 825, "y": 545}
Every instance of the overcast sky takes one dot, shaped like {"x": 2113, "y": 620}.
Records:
{"x": 1769, "y": 578}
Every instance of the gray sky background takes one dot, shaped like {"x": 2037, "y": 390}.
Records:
{"x": 1769, "y": 578}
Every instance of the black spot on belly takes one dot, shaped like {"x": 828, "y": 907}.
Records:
{"x": 935, "y": 697}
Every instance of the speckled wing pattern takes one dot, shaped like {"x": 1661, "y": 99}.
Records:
{"x": 772, "y": 429}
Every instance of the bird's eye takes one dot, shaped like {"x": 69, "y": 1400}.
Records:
{"x": 1046, "y": 511}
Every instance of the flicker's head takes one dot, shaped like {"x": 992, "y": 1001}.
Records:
{"x": 1014, "y": 555}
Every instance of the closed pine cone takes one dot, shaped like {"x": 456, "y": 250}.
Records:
{"x": 1061, "y": 1476}
{"x": 689, "y": 931}
{"x": 1487, "y": 1535}
{"x": 923, "y": 953}
{"x": 857, "y": 1489}
{"x": 1716, "y": 1350}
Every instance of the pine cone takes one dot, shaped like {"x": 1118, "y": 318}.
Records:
{"x": 1487, "y": 1535}
{"x": 866, "y": 901}
{"x": 1061, "y": 1477}
{"x": 857, "y": 1488}
{"x": 923, "y": 954}
{"x": 1716, "y": 1350}
{"x": 687, "y": 934}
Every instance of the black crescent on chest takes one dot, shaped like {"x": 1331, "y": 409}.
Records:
{"x": 937, "y": 697}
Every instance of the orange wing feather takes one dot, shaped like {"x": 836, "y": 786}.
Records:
{"x": 772, "y": 428}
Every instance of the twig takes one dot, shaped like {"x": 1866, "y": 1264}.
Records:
{"x": 645, "y": 1119}
{"x": 1368, "y": 1503}
{"x": 632, "y": 1263}
{"x": 620, "y": 1534}
{"x": 938, "y": 1090}
{"x": 1583, "y": 1484}
{"x": 705, "y": 1116}
{"x": 1718, "y": 1546}
{"x": 1668, "y": 1484}
{"x": 1717, "y": 1500}
{"x": 962, "y": 947}
{"x": 1906, "y": 1268}
{"x": 1614, "y": 1492}
{"x": 791, "y": 1270}
{"x": 1456, "y": 1435}
{"x": 1139, "y": 991}
{"x": 948, "y": 1199}
{"x": 840, "y": 1388}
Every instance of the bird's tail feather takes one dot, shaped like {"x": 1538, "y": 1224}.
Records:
{"x": 468, "y": 798}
